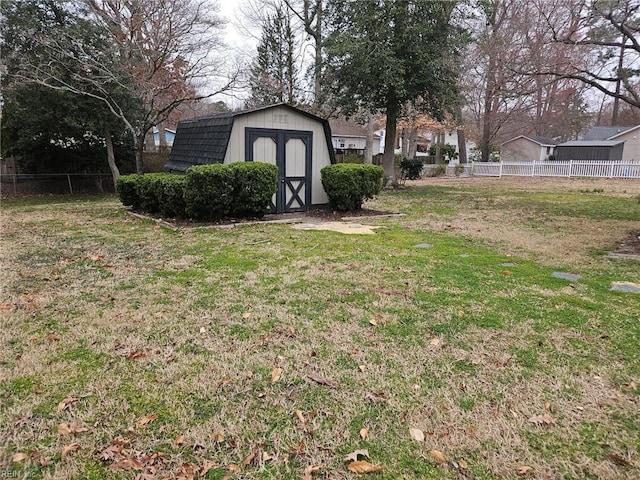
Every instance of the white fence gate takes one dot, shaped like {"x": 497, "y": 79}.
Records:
{"x": 594, "y": 169}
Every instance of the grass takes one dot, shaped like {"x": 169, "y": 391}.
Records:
{"x": 135, "y": 320}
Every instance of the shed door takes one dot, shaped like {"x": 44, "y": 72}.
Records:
{"x": 290, "y": 151}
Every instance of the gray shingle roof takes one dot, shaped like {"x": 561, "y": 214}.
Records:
{"x": 604, "y": 133}
{"x": 542, "y": 140}
{"x": 200, "y": 141}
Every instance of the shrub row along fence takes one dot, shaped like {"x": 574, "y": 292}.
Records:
{"x": 592, "y": 169}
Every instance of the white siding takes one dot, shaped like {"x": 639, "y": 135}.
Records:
{"x": 281, "y": 118}
{"x": 631, "y": 145}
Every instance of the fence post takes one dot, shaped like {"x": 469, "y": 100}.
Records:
{"x": 533, "y": 168}
{"x": 611, "y": 173}
{"x": 570, "y": 167}
{"x": 500, "y": 171}
{"x": 15, "y": 184}
{"x": 70, "y": 187}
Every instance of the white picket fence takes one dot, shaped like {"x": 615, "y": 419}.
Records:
{"x": 572, "y": 168}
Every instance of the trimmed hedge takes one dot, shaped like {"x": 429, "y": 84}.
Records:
{"x": 254, "y": 186}
{"x": 206, "y": 192}
{"x": 411, "y": 168}
{"x": 348, "y": 185}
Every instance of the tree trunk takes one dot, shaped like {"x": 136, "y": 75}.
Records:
{"x": 149, "y": 141}
{"x": 389, "y": 143}
{"x": 462, "y": 146}
{"x": 111, "y": 159}
{"x": 368, "y": 152}
{"x": 405, "y": 142}
{"x": 163, "y": 138}
{"x": 413, "y": 142}
{"x": 139, "y": 148}
{"x": 317, "y": 68}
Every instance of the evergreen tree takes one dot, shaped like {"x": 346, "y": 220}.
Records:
{"x": 383, "y": 54}
{"x": 274, "y": 76}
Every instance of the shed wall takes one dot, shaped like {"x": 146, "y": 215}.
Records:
{"x": 283, "y": 119}
{"x": 602, "y": 153}
{"x": 522, "y": 150}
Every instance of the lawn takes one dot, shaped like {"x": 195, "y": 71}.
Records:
{"x": 130, "y": 349}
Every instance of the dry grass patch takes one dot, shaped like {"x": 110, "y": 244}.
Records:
{"x": 264, "y": 351}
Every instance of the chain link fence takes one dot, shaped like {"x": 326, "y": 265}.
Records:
{"x": 55, "y": 183}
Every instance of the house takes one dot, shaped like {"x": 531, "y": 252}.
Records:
{"x": 298, "y": 142}
{"x": 629, "y": 135}
{"x": 351, "y": 138}
{"x": 581, "y": 150}
{"x": 527, "y": 148}
{"x": 169, "y": 135}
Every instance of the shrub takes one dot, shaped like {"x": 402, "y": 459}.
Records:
{"x": 411, "y": 168}
{"x": 127, "y": 190}
{"x": 348, "y": 185}
{"x": 208, "y": 191}
{"x": 170, "y": 194}
{"x": 255, "y": 183}
{"x": 148, "y": 188}
{"x": 447, "y": 151}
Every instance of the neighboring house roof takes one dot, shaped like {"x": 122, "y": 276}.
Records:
{"x": 342, "y": 128}
{"x": 605, "y": 133}
{"x": 628, "y": 130}
{"x": 590, "y": 143}
{"x": 204, "y": 140}
{"x": 542, "y": 141}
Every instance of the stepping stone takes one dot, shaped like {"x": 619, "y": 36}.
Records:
{"x": 572, "y": 277}
{"x": 464, "y": 255}
{"x": 626, "y": 287}
{"x": 508, "y": 264}
{"x": 424, "y": 245}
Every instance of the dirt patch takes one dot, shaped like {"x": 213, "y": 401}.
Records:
{"x": 630, "y": 245}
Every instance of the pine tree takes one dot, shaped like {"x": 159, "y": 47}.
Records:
{"x": 274, "y": 76}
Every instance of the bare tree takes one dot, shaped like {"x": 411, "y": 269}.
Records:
{"x": 160, "y": 54}
{"x": 609, "y": 32}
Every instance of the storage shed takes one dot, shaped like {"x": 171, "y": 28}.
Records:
{"x": 297, "y": 142}
{"x": 603, "y": 150}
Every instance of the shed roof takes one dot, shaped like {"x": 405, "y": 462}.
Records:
{"x": 604, "y": 132}
{"x": 590, "y": 143}
{"x": 343, "y": 128}
{"x": 544, "y": 141}
{"x": 204, "y": 140}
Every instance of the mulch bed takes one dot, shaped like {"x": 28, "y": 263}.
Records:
{"x": 630, "y": 245}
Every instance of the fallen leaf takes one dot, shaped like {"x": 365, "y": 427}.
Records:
{"x": 438, "y": 456}
{"x": 463, "y": 464}
{"x": 362, "y": 368}
{"x": 376, "y": 397}
{"x": 545, "y": 419}
{"x": 353, "y": 456}
{"x": 417, "y": 434}
{"x": 179, "y": 440}
{"x": 67, "y": 449}
{"x": 373, "y": 322}
{"x": 45, "y": 461}
{"x": 434, "y": 341}
{"x": 234, "y": 468}
{"x": 219, "y": 436}
{"x": 323, "y": 380}
{"x": 308, "y": 471}
{"x": 69, "y": 428}
{"x": 246, "y": 315}
{"x": 125, "y": 464}
{"x": 363, "y": 466}
{"x": 142, "y": 421}
{"x": 136, "y": 355}
{"x": 300, "y": 416}
{"x": 266, "y": 457}
{"x": 19, "y": 457}
{"x": 364, "y": 433}
{"x": 66, "y": 404}
{"x": 203, "y": 330}
{"x": 276, "y": 374}
{"x": 522, "y": 471}
{"x": 206, "y": 467}
{"x": 505, "y": 272}
{"x": 247, "y": 461}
